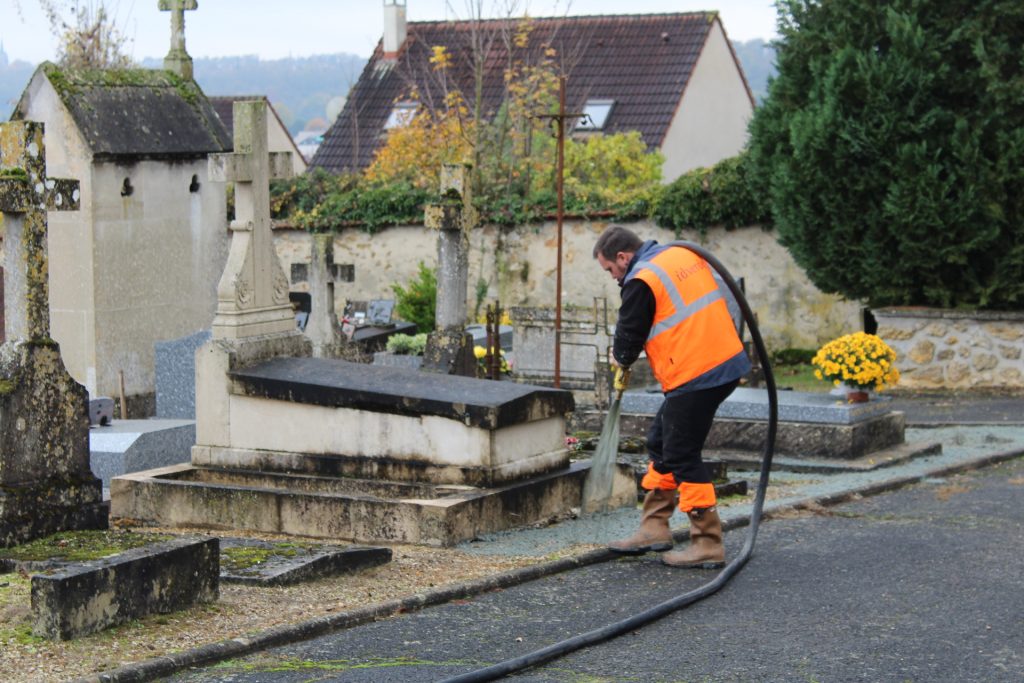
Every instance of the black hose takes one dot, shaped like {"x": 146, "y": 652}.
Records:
{"x": 564, "y": 647}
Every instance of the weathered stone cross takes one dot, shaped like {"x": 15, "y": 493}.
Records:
{"x": 449, "y": 349}
{"x": 252, "y": 297}
{"x": 178, "y": 59}
{"x": 26, "y": 194}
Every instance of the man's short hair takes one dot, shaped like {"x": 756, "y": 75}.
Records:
{"x": 615, "y": 239}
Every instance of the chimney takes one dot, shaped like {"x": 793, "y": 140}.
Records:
{"x": 394, "y": 27}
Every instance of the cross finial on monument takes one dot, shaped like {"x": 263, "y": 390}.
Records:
{"x": 177, "y": 59}
{"x": 25, "y": 196}
{"x": 252, "y": 297}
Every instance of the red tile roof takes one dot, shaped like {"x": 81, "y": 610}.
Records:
{"x": 643, "y": 62}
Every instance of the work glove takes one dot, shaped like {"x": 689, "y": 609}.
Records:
{"x": 621, "y": 379}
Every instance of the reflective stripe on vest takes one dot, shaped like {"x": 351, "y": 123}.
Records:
{"x": 683, "y": 310}
{"x": 686, "y": 339}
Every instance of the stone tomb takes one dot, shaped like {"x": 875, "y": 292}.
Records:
{"x": 334, "y": 449}
{"x": 290, "y": 444}
{"x": 812, "y": 426}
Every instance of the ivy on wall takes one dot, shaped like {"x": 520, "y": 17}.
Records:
{"x": 705, "y": 197}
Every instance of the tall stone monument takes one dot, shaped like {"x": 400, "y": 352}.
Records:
{"x": 449, "y": 348}
{"x": 254, "y": 319}
{"x": 45, "y": 481}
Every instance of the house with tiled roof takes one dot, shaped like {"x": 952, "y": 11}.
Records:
{"x": 278, "y": 137}
{"x": 672, "y": 77}
{"x": 140, "y": 261}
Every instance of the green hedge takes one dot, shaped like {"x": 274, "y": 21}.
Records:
{"x": 705, "y": 197}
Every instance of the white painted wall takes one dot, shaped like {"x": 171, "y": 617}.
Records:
{"x": 280, "y": 140}
{"x": 159, "y": 254}
{"x": 711, "y": 121}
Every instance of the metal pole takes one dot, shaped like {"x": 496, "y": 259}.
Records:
{"x": 561, "y": 209}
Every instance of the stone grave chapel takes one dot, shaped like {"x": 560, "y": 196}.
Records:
{"x": 139, "y": 263}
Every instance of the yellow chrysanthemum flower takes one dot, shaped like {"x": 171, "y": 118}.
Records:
{"x": 860, "y": 360}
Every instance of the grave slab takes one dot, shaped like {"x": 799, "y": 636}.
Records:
{"x": 811, "y": 425}
{"x": 794, "y": 406}
{"x": 304, "y": 563}
{"x": 90, "y": 596}
{"x": 446, "y": 428}
{"x": 134, "y": 445}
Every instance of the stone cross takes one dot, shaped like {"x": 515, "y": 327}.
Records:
{"x": 26, "y": 194}
{"x": 323, "y": 328}
{"x": 449, "y": 348}
{"x": 178, "y": 59}
{"x": 252, "y": 297}
{"x": 453, "y": 217}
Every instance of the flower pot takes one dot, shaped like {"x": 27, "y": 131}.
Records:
{"x": 857, "y": 396}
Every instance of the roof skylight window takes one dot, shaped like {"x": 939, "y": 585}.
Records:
{"x": 402, "y": 115}
{"x": 595, "y": 114}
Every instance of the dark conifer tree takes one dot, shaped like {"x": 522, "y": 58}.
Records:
{"x": 891, "y": 148}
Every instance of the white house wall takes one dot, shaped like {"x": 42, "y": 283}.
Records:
{"x": 280, "y": 140}
{"x": 711, "y": 121}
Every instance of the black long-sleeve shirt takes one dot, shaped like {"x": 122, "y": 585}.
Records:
{"x": 636, "y": 316}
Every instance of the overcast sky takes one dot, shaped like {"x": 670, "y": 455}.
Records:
{"x": 299, "y": 28}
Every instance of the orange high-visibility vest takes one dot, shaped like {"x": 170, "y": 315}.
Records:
{"x": 692, "y": 331}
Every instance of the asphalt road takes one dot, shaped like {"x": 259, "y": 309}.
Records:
{"x": 921, "y": 584}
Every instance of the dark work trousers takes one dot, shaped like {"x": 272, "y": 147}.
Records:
{"x": 677, "y": 434}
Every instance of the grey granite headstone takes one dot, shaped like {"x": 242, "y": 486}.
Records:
{"x": 135, "y": 445}
{"x": 794, "y": 406}
{"x": 479, "y": 334}
{"x": 176, "y": 375}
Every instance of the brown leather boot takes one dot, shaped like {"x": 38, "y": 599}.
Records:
{"x": 653, "y": 534}
{"x": 705, "y": 550}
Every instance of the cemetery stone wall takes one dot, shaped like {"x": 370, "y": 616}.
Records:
{"x": 517, "y": 266}
{"x": 953, "y": 349}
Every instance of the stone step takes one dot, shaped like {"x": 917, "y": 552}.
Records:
{"x": 355, "y": 510}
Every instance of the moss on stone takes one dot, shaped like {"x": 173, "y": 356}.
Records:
{"x": 238, "y": 558}
{"x": 14, "y": 173}
{"x": 69, "y": 82}
{"x": 79, "y": 546}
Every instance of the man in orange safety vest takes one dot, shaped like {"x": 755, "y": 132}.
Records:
{"x": 673, "y": 309}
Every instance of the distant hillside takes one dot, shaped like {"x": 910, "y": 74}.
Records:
{"x": 758, "y": 60}
{"x": 299, "y": 87}
{"x": 13, "y": 79}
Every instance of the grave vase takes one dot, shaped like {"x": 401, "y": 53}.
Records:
{"x": 857, "y": 395}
